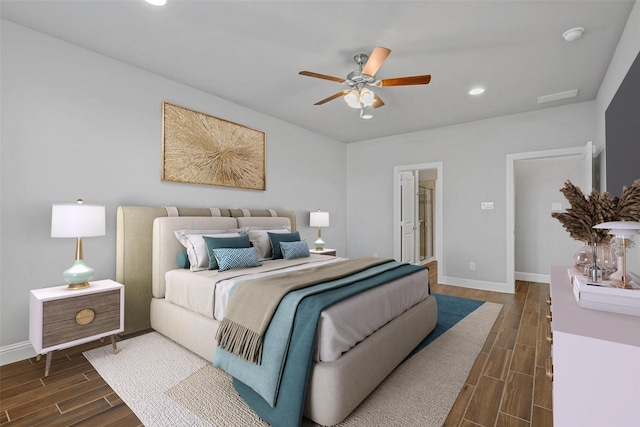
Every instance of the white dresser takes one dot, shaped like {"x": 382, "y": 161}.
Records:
{"x": 596, "y": 362}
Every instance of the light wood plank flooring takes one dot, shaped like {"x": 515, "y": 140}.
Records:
{"x": 506, "y": 387}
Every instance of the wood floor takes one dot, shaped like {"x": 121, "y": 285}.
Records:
{"x": 506, "y": 387}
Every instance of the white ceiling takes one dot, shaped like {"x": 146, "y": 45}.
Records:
{"x": 250, "y": 52}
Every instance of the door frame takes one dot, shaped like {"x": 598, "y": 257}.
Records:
{"x": 586, "y": 150}
{"x": 439, "y": 228}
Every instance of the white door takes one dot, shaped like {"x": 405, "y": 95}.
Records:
{"x": 409, "y": 217}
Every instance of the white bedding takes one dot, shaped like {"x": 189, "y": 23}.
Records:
{"x": 341, "y": 326}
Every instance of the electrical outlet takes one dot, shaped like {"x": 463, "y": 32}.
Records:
{"x": 472, "y": 266}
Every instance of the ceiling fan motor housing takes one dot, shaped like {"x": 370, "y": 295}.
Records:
{"x": 356, "y": 77}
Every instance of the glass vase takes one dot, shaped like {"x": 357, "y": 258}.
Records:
{"x": 606, "y": 259}
{"x": 583, "y": 258}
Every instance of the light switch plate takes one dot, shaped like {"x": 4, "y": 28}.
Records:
{"x": 486, "y": 205}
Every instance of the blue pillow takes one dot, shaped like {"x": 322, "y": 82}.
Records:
{"x": 291, "y": 250}
{"x": 276, "y": 238}
{"x": 182, "y": 259}
{"x": 224, "y": 242}
{"x": 229, "y": 258}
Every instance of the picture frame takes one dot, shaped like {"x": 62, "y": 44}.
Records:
{"x": 201, "y": 149}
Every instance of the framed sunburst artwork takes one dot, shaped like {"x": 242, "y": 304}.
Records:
{"x": 202, "y": 149}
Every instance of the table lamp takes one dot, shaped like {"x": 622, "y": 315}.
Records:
{"x": 623, "y": 230}
{"x": 77, "y": 220}
{"x": 319, "y": 219}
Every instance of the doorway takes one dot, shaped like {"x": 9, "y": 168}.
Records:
{"x": 586, "y": 154}
{"x": 426, "y": 218}
{"x": 424, "y": 202}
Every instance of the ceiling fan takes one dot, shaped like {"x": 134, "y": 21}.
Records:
{"x": 359, "y": 95}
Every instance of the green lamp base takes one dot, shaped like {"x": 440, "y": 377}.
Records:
{"x": 319, "y": 244}
{"x": 78, "y": 275}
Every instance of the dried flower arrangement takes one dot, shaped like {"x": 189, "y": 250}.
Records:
{"x": 585, "y": 212}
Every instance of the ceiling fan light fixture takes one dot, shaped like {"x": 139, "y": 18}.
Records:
{"x": 367, "y": 97}
{"x": 365, "y": 113}
{"x": 353, "y": 98}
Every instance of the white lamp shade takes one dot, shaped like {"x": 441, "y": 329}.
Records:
{"x": 624, "y": 232}
{"x": 319, "y": 219}
{"x": 619, "y": 225}
{"x": 77, "y": 220}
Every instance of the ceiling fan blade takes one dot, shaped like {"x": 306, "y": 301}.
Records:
{"x": 332, "y": 97}
{"x": 378, "y": 102}
{"x": 321, "y": 76}
{"x": 375, "y": 61}
{"x": 405, "y": 81}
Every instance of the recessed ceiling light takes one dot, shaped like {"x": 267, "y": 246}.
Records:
{"x": 476, "y": 91}
{"x": 572, "y": 34}
{"x": 157, "y": 2}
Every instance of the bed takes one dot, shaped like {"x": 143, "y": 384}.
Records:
{"x": 146, "y": 257}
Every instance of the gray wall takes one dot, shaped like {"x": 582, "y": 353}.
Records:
{"x": 474, "y": 170}
{"x": 78, "y": 124}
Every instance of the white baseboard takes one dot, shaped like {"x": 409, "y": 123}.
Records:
{"x": 16, "y": 352}
{"x": 532, "y": 277}
{"x": 475, "y": 284}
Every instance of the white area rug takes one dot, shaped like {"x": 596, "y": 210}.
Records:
{"x": 167, "y": 385}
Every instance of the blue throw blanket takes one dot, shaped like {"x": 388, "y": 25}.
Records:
{"x": 289, "y": 406}
{"x": 265, "y": 378}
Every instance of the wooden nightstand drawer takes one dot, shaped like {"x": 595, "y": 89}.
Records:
{"x": 62, "y": 323}
{"x": 329, "y": 252}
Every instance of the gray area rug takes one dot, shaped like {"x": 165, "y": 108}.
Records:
{"x": 167, "y": 385}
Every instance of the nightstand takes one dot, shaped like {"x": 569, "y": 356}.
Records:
{"x": 330, "y": 252}
{"x": 60, "y": 317}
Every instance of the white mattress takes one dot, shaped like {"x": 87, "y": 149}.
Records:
{"x": 341, "y": 326}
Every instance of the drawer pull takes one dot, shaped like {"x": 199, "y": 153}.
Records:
{"x": 86, "y": 316}
{"x": 549, "y": 316}
{"x": 549, "y": 336}
{"x": 549, "y": 299}
{"x": 549, "y": 369}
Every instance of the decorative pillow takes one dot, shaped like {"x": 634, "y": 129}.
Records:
{"x": 291, "y": 250}
{"x": 182, "y": 259}
{"x": 196, "y": 247}
{"x": 276, "y": 238}
{"x": 224, "y": 242}
{"x": 260, "y": 239}
{"x": 228, "y": 258}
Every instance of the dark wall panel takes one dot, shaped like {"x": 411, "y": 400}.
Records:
{"x": 623, "y": 132}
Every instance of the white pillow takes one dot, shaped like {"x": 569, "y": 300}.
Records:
{"x": 260, "y": 239}
{"x": 196, "y": 246}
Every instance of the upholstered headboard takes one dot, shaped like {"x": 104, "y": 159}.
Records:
{"x": 134, "y": 252}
